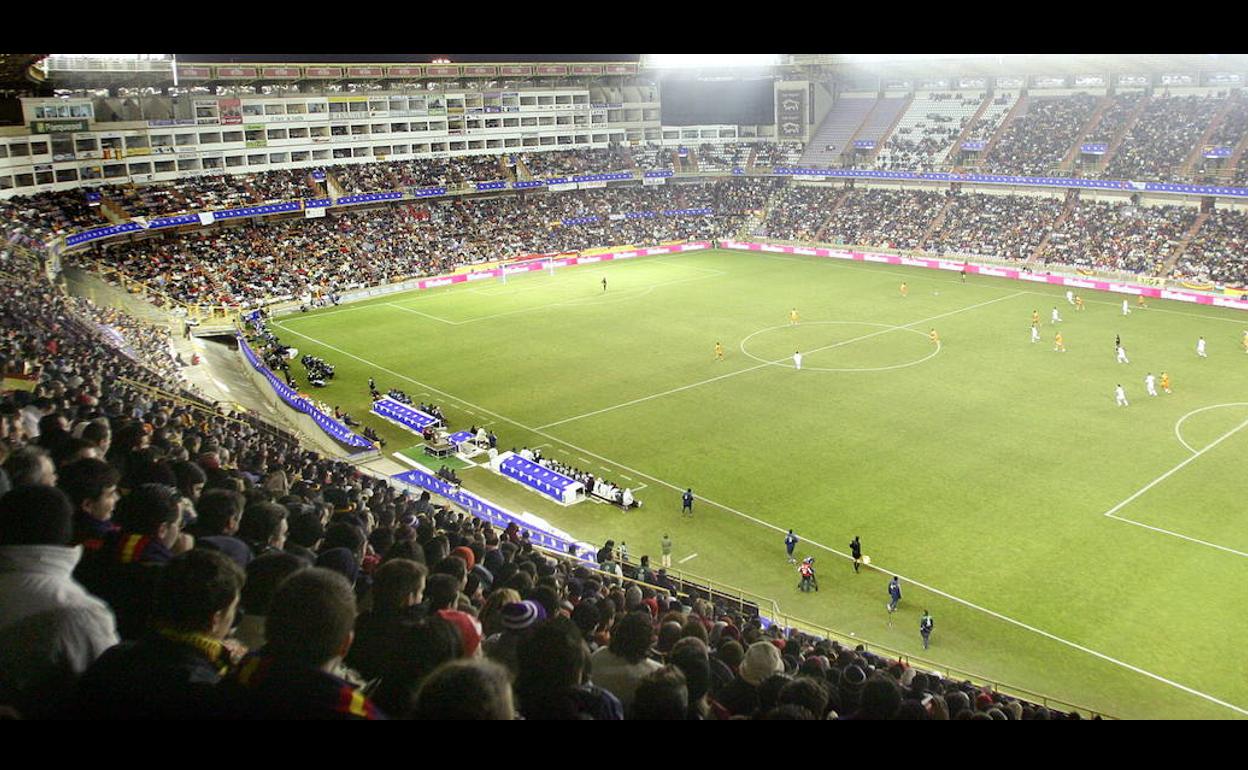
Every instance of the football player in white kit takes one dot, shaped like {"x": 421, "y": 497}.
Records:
{"x": 1200, "y": 348}
{"x": 1150, "y": 383}
{"x": 1035, "y": 334}
{"x": 1126, "y": 308}
{"x": 1122, "y": 355}
{"x": 1121, "y": 396}
{"x": 797, "y": 361}
{"x": 1055, "y": 318}
{"x": 1070, "y": 296}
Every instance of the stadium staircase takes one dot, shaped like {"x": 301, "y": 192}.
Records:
{"x": 1072, "y": 200}
{"x": 1117, "y": 141}
{"x": 1194, "y": 155}
{"x": 1187, "y": 239}
{"x": 966, "y": 130}
{"x": 892, "y": 126}
{"x": 1236, "y": 158}
{"x": 837, "y": 130}
{"x": 1068, "y": 161}
{"x": 823, "y": 229}
{"x": 749, "y": 162}
{"x": 504, "y": 169}
{"x": 1018, "y": 110}
{"x": 936, "y": 223}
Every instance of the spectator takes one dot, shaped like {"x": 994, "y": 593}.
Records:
{"x": 171, "y": 672}
{"x": 51, "y": 628}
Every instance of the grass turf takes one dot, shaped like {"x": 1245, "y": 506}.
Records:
{"x": 979, "y": 471}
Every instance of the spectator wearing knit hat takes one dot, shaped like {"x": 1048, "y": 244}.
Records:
{"x": 761, "y": 660}
{"x": 518, "y": 621}
{"x": 51, "y": 628}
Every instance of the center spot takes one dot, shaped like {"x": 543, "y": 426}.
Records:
{"x": 840, "y": 346}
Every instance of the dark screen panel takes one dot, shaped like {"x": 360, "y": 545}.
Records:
{"x": 688, "y": 102}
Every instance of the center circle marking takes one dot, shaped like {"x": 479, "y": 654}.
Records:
{"x": 887, "y": 327}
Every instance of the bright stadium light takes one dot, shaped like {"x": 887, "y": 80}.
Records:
{"x": 695, "y": 60}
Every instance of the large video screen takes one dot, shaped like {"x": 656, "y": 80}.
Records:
{"x": 688, "y": 101}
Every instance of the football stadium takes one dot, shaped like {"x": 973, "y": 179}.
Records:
{"x": 628, "y": 387}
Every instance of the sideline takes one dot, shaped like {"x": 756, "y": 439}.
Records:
{"x": 661, "y": 482}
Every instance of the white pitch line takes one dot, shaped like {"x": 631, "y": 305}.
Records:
{"x": 768, "y": 525}
{"x": 687, "y": 558}
{"x": 1179, "y": 424}
{"x": 639, "y": 487}
{"x": 1176, "y": 469}
{"x": 426, "y": 315}
{"x": 1178, "y": 535}
{"x": 756, "y": 367}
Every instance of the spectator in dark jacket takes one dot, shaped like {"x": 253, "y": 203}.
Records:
{"x": 170, "y": 673}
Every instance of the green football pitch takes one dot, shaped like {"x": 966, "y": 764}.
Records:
{"x": 1091, "y": 552}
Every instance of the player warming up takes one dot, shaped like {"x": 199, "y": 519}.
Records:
{"x": 1059, "y": 344}
{"x": 1121, "y": 396}
{"x": 894, "y": 597}
{"x": 793, "y": 317}
{"x": 1150, "y": 384}
{"x": 719, "y": 352}
{"x": 1200, "y": 348}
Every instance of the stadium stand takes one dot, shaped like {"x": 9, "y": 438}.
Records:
{"x": 1162, "y": 138}
{"x": 1040, "y": 133}
{"x": 926, "y": 132}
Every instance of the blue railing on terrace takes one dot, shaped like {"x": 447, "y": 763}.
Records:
{"x": 111, "y": 231}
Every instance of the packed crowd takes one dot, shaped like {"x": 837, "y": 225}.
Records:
{"x": 889, "y": 219}
{"x": 211, "y": 192}
{"x": 1117, "y": 236}
{"x": 302, "y": 259}
{"x": 381, "y": 176}
{"x": 1035, "y": 143}
{"x": 35, "y": 219}
{"x": 1228, "y": 134}
{"x": 1158, "y": 144}
{"x": 1006, "y": 226}
{"x": 1217, "y": 253}
{"x": 1112, "y": 122}
{"x": 572, "y": 162}
{"x": 801, "y": 213}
